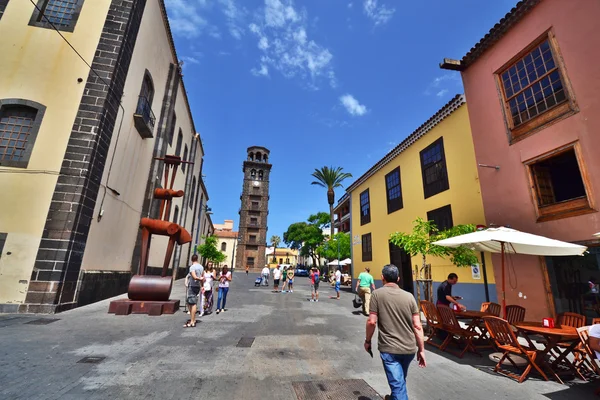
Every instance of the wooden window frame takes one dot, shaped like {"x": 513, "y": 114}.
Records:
{"x": 550, "y": 115}
{"x": 367, "y": 243}
{"x": 37, "y": 122}
{"x": 433, "y": 213}
{"x": 445, "y": 181}
{"x": 397, "y": 203}
{"x": 365, "y": 219}
{"x": 568, "y": 208}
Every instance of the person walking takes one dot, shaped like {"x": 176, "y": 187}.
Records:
{"x": 314, "y": 284}
{"x": 193, "y": 291}
{"x": 247, "y": 269}
{"x": 276, "y": 278}
{"x": 338, "y": 281}
{"x": 363, "y": 287}
{"x": 266, "y": 272}
{"x": 224, "y": 280}
{"x": 209, "y": 278}
{"x": 396, "y": 315}
{"x": 290, "y": 279}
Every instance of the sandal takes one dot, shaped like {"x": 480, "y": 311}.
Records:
{"x": 189, "y": 325}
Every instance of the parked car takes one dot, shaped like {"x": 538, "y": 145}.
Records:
{"x": 301, "y": 272}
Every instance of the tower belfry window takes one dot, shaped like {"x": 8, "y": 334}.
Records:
{"x": 253, "y": 173}
{"x": 260, "y": 175}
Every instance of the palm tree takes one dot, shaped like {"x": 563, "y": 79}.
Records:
{"x": 275, "y": 240}
{"x": 330, "y": 178}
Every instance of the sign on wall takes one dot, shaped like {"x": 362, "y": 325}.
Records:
{"x": 475, "y": 271}
{"x": 356, "y": 240}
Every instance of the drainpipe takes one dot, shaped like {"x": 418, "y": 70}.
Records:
{"x": 485, "y": 281}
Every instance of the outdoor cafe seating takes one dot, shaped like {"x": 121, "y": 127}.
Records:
{"x": 456, "y": 333}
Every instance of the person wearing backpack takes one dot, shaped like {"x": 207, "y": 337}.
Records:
{"x": 314, "y": 284}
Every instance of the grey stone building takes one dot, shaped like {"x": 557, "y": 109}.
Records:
{"x": 254, "y": 210}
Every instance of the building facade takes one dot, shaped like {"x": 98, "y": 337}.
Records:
{"x": 342, "y": 214}
{"x": 254, "y": 209}
{"x": 532, "y": 86}
{"x": 80, "y": 148}
{"x": 281, "y": 256}
{"x": 432, "y": 174}
{"x": 227, "y": 241}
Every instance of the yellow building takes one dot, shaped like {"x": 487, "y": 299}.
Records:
{"x": 79, "y": 148}
{"x": 432, "y": 174}
{"x": 282, "y": 256}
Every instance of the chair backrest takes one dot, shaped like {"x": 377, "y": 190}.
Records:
{"x": 515, "y": 314}
{"x": 595, "y": 321}
{"x": 431, "y": 313}
{"x": 501, "y": 331}
{"x": 571, "y": 319}
{"x": 491, "y": 308}
{"x": 584, "y": 336}
{"x": 447, "y": 316}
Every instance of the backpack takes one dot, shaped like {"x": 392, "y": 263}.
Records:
{"x": 316, "y": 277}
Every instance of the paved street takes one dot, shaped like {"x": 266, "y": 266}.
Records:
{"x": 295, "y": 340}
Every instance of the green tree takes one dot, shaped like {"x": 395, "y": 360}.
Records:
{"x": 330, "y": 178}
{"x": 420, "y": 242}
{"x": 209, "y": 250}
{"x": 275, "y": 240}
{"x": 329, "y": 249}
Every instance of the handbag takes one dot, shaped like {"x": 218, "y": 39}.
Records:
{"x": 357, "y": 302}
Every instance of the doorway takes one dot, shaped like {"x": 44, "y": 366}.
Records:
{"x": 401, "y": 259}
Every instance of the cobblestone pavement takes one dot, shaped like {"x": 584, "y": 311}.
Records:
{"x": 295, "y": 340}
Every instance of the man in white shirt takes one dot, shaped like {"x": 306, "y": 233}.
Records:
{"x": 276, "y": 278}
{"x": 265, "y": 275}
{"x": 338, "y": 281}
{"x": 594, "y": 332}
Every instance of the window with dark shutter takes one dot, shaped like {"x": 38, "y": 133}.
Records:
{"x": 367, "y": 247}
{"x": 393, "y": 190}
{"x": 441, "y": 217}
{"x": 365, "y": 208}
{"x": 433, "y": 168}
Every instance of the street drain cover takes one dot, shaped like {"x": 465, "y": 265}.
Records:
{"x": 91, "y": 360}
{"x": 342, "y": 389}
{"x": 43, "y": 321}
{"x": 245, "y": 342}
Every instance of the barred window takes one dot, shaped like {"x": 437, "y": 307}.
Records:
{"x": 62, "y": 14}
{"x": 20, "y": 121}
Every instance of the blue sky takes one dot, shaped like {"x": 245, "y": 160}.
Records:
{"x": 318, "y": 82}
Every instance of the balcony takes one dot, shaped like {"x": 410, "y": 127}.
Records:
{"x": 144, "y": 118}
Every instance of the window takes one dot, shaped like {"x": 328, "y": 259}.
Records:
{"x": 441, "y": 217}
{"x": 3, "y": 4}
{"x": 62, "y": 14}
{"x": 433, "y": 168}
{"x": 223, "y": 246}
{"x": 367, "y": 249}
{"x": 20, "y": 121}
{"x": 179, "y": 143}
{"x": 253, "y": 174}
{"x": 193, "y": 194}
{"x": 281, "y": 261}
{"x": 260, "y": 175}
{"x": 252, "y": 239}
{"x": 176, "y": 215}
{"x": 365, "y": 208}
{"x": 172, "y": 130}
{"x": 253, "y": 221}
{"x": 534, "y": 88}
{"x": 144, "y": 116}
{"x": 3, "y": 236}
{"x": 393, "y": 190}
{"x": 254, "y": 205}
{"x": 559, "y": 184}
{"x": 185, "y": 156}
{"x": 250, "y": 260}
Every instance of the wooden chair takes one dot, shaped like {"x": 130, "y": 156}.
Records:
{"x": 515, "y": 314}
{"x": 506, "y": 341}
{"x": 491, "y": 308}
{"x": 571, "y": 319}
{"x": 455, "y": 332}
{"x": 433, "y": 321}
{"x": 595, "y": 321}
{"x": 587, "y": 355}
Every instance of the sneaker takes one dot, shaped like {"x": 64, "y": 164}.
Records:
{"x": 317, "y": 300}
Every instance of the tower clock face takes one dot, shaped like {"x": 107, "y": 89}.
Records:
{"x": 256, "y": 183}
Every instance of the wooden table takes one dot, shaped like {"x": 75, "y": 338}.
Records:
{"x": 553, "y": 336}
{"x": 476, "y": 318}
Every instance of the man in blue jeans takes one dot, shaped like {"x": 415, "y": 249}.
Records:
{"x": 395, "y": 312}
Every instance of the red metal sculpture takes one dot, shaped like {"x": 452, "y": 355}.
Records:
{"x": 150, "y": 294}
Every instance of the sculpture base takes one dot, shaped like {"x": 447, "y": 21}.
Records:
{"x": 154, "y": 308}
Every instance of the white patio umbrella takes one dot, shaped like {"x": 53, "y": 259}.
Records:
{"x": 505, "y": 240}
{"x": 334, "y": 262}
{"x": 346, "y": 261}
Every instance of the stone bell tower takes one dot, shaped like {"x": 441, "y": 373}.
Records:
{"x": 252, "y": 239}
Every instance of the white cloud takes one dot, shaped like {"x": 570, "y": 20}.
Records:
{"x": 186, "y": 21}
{"x": 282, "y": 36}
{"x": 441, "y": 85}
{"x": 441, "y": 93}
{"x": 235, "y": 17}
{"x": 188, "y": 60}
{"x": 380, "y": 14}
{"x": 352, "y": 105}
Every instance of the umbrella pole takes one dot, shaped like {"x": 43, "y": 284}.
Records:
{"x": 503, "y": 284}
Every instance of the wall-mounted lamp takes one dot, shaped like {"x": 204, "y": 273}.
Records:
{"x": 496, "y": 167}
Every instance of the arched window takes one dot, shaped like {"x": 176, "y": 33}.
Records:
{"x": 223, "y": 246}
{"x": 265, "y": 158}
{"x": 251, "y": 156}
{"x": 179, "y": 143}
{"x": 20, "y": 122}
{"x": 258, "y": 156}
{"x": 253, "y": 173}
{"x": 260, "y": 175}
{"x": 193, "y": 194}
{"x": 185, "y": 156}
{"x": 144, "y": 117}
{"x": 176, "y": 215}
